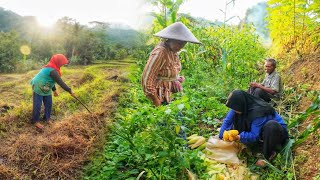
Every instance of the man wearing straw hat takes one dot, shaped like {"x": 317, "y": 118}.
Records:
{"x": 160, "y": 76}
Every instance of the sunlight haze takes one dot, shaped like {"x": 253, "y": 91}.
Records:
{"x": 129, "y": 12}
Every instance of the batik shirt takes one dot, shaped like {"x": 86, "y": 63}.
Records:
{"x": 161, "y": 70}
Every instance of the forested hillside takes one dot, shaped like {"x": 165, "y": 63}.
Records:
{"x": 82, "y": 44}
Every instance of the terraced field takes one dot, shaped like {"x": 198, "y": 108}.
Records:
{"x": 64, "y": 146}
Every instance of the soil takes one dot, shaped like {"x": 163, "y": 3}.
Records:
{"x": 306, "y": 71}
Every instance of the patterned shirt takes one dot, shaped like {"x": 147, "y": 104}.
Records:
{"x": 161, "y": 70}
{"x": 273, "y": 81}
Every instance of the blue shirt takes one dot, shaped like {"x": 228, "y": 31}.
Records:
{"x": 256, "y": 126}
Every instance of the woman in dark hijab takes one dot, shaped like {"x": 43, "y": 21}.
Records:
{"x": 256, "y": 121}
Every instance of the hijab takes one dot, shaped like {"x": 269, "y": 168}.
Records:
{"x": 250, "y": 107}
{"x": 57, "y": 61}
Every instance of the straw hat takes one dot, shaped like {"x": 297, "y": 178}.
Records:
{"x": 178, "y": 31}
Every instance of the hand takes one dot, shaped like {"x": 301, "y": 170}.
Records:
{"x": 255, "y": 85}
{"x": 72, "y": 94}
{"x": 181, "y": 79}
{"x": 155, "y": 100}
{"x": 55, "y": 93}
{"x": 237, "y": 138}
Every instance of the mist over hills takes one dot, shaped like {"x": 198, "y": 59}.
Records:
{"x": 116, "y": 32}
{"x": 124, "y": 34}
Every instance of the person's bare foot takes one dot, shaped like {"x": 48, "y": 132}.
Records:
{"x": 261, "y": 163}
{"x": 273, "y": 155}
{"x": 39, "y": 126}
{"x": 50, "y": 122}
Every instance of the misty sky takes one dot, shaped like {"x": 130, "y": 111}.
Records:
{"x": 129, "y": 12}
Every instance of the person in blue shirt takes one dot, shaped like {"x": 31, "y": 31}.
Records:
{"x": 256, "y": 122}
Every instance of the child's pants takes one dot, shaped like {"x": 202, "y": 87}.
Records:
{"x": 37, "y": 102}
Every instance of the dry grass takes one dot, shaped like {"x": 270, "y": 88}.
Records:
{"x": 59, "y": 151}
{"x": 64, "y": 147}
{"x": 306, "y": 70}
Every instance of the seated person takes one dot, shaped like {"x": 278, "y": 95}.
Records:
{"x": 271, "y": 87}
{"x": 257, "y": 122}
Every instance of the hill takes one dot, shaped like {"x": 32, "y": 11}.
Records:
{"x": 303, "y": 75}
{"x": 9, "y": 20}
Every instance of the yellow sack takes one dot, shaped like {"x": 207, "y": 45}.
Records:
{"x": 222, "y": 151}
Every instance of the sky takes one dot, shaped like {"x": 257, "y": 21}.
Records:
{"x": 128, "y": 12}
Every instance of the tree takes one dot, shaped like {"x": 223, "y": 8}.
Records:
{"x": 79, "y": 42}
{"x": 67, "y": 34}
{"x": 9, "y": 51}
{"x": 294, "y": 26}
{"x": 168, "y": 10}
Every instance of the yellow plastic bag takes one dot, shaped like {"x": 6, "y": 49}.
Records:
{"x": 222, "y": 151}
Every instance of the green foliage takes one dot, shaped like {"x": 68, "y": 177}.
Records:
{"x": 167, "y": 15}
{"x": 121, "y": 53}
{"x": 282, "y": 167}
{"x": 314, "y": 112}
{"x": 76, "y": 40}
{"x": 229, "y": 57}
{"x": 9, "y": 51}
{"x": 81, "y": 44}
{"x": 127, "y": 38}
{"x": 143, "y": 138}
{"x": 225, "y": 11}
{"x": 294, "y": 26}
{"x": 309, "y": 119}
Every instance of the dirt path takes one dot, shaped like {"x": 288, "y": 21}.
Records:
{"x": 61, "y": 151}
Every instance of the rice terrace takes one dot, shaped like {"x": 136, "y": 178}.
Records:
{"x": 170, "y": 89}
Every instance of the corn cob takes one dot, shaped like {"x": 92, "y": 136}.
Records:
{"x": 194, "y": 139}
{"x": 234, "y": 132}
{"x": 225, "y": 135}
{"x": 230, "y": 135}
{"x": 200, "y": 141}
{"x": 231, "y": 138}
{"x": 204, "y": 145}
{"x": 221, "y": 177}
{"x": 191, "y": 176}
{"x": 192, "y": 136}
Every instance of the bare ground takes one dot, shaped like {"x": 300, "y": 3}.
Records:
{"x": 306, "y": 71}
